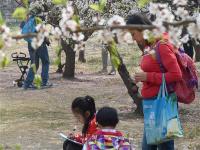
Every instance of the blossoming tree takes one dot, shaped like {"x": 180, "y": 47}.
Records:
{"x": 72, "y": 26}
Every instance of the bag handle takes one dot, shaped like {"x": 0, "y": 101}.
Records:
{"x": 159, "y": 61}
{"x": 158, "y": 58}
{"x": 163, "y": 88}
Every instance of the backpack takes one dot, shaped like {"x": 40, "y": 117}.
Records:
{"x": 184, "y": 89}
{"x": 108, "y": 142}
{"x": 29, "y": 27}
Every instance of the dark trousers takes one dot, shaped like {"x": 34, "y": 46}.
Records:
{"x": 68, "y": 145}
{"x": 35, "y": 55}
{"x": 169, "y": 145}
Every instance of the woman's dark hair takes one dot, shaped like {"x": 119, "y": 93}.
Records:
{"x": 82, "y": 105}
{"x": 138, "y": 19}
{"x": 107, "y": 116}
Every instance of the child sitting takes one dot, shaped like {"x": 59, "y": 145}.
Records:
{"x": 84, "y": 110}
{"x": 107, "y": 137}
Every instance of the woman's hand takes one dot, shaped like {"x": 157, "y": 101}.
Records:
{"x": 140, "y": 77}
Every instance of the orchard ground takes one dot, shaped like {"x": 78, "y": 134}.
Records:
{"x": 32, "y": 119}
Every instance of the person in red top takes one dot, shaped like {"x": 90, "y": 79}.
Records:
{"x": 84, "y": 110}
{"x": 151, "y": 74}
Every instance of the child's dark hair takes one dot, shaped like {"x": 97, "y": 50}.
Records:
{"x": 82, "y": 105}
{"x": 138, "y": 19}
{"x": 107, "y": 116}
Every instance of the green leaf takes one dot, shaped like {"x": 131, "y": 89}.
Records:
{"x": 59, "y": 2}
{"x": 1, "y": 19}
{"x": 5, "y": 61}
{"x": 76, "y": 18}
{"x": 96, "y": 7}
{"x": 1, "y": 43}
{"x": 142, "y": 3}
{"x": 34, "y": 68}
{"x": 37, "y": 81}
{"x": 20, "y": 13}
{"x": 151, "y": 38}
{"x": 115, "y": 58}
{"x": 102, "y": 4}
{"x": 38, "y": 20}
{"x": 25, "y": 2}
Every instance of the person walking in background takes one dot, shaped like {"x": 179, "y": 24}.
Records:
{"x": 36, "y": 54}
{"x": 104, "y": 54}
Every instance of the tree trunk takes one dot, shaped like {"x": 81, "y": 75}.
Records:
{"x": 81, "y": 57}
{"x": 131, "y": 87}
{"x": 60, "y": 68}
{"x": 60, "y": 65}
{"x": 69, "y": 68}
{"x": 129, "y": 83}
{"x": 197, "y": 50}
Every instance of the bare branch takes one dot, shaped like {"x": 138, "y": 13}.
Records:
{"x": 179, "y": 23}
{"x": 127, "y": 27}
{"x": 30, "y": 35}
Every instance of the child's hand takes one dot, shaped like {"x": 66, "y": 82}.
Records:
{"x": 71, "y": 136}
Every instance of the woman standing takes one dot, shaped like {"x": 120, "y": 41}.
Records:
{"x": 151, "y": 74}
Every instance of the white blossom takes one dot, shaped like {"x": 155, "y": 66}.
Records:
{"x": 37, "y": 42}
{"x": 6, "y": 35}
{"x": 194, "y": 30}
{"x": 116, "y": 20}
{"x": 78, "y": 36}
{"x": 56, "y": 32}
{"x": 198, "y": 19}
{"x": 67, "y": 12}
{"x": 102, "y": 22}
{"x": 180, "y": 2}
{"x": 146, "y": 34}
{"x": 125, "y": 37}
{"x": 95, "y": 19}
{"x": 106, "y": 36}
{"x": 153, "y": 8}
{"x": 185, "y": 39}
{"x": 181, "y": 12}
{"x": 72, "y": 25}
{"x": 175, "y": 36}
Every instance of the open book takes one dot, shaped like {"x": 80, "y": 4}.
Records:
{"x": 66, "y": 138}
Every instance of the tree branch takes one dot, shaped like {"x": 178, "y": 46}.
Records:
{"x": 138, "y": 27}
{"x": 125, "y": 27}
{"x": 128, "y": 27}
{"x": 179, "y": 23}
{"x": 29, "y": 35}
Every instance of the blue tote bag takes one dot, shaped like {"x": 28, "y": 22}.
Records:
{"x": 161, "y": 119}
